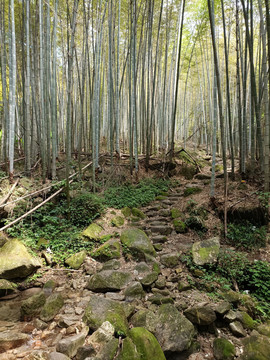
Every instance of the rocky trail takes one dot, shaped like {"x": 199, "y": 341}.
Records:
{"x": 134, "y": 298}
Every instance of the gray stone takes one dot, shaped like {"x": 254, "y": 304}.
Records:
{"x": 201, "y": 314}
{"x": 15, "y": 261}
{"x": 109, "y": 280}
{"x": 85, "y": 352}
{"x": 58, "y": 356}
{"x": 149, "y": 278}
{"x": 256, "y": 347}
{"x": 69, "y": 346}
{"x": 32, "y": 306}
{"x": 52, "y": 306}
{"x": 137, "y": 243}
{"x": 11, "y": 339}
{"x": 161, "y": 229}
{"x": 76, "y": 260}
{"x": 206, "y": 252}
{"x": 159, "y": 239}
{"x": 237, "y": 329}
{"x": 134, "y": 291}
{"x": 230, "y": 316}
{"x": 223, "y": 349}
{"x": 223, "y": 307}
{"x": 170, "y": 260}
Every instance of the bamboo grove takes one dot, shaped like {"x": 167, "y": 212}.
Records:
{"x": 82, "y": 76}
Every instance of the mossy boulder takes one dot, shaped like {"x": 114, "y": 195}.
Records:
{"x": 6, "y": 287}
{"x": 137, "y": 243}
{"x": 110, "y": 250}
{"x": 126, "y": 211}
{"x": 256, "y": 347}
{"x": 118, "y": 221}
{"x": 52, "y": 306}
{"x": 138, "y": 213}
{"x": 179, "y": 226}
{"x": 109, "y": 280}
{"x": 246, "y": 320}
{"x": 176, "y": 213}
{"x": 76, "y": 260}
{"x": 140, "y": 345}
{"x": 15, "y": 261}
{"x": 92, "y": 232}
{"x": 100, "y": 309}
{"x": 32, "y": 306}
{"x": 206, "y": 252}
{"x": 223, "y": 349}
{"x": 192, "y": 190}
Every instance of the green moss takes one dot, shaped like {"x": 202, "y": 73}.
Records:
{"x": 50, "y": 284}
{"x": 205, "y": 252}
{"x": 175, "y": 213}
{"x": 191, "y": 191}
{"x": 92, "y": 232}
{"x": 76, "y": 260}
{"x": 52, "y": 306}
{"x": 246, "y": 320}
{"x": 179, "y": 226}
{"x": 118, "y": 221}
{"x": 156, "y": 268}
{"x": 223, "y": 349}
{"x": 109, "y": 250}
{"x": 138, "y": 213}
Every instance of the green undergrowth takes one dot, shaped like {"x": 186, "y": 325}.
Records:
{"x": 58, "y": 226}
{"x": 234, "y": 268}
{"x": 135, "y": 195}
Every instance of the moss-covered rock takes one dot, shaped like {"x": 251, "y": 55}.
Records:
{"x": 206, "y": 252}
{"x": 110, "y": 250}
{"x": 201, "y": 314}
{"x": 138, "y": 213}
{"x": 134, "y": 291}
{"x": 140, "y": 345}
{"x": 52, "y": 306}
{"x": 192, "y": 190}
{"x": 126, "y": 211}
{"x": 118, "y": 221}
{"x": 76, "y": 260}
{"x": 109, "y": 280}
{"x": 176, "y": 213}
{"x": 170, "y": 260}
{"x": 15, "y": 261}
{"x": 179, "y": 226}
{"x": 256, "y": 347}
{"x": 6, "y": 287}
{"x": 100, "y": 309}
{"x": 32, "y": 306}
{"x": 264, "y": 329}
{"x": 149, "y": 278}
{"x": 160, "y": 299}
{"x": 246, "y": 320}
{"x": 92, "y": 232}
{"x": 137, "y": 243}
{"x": 223, "y": 349}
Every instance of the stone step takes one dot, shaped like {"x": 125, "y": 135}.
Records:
{"x": 158, "y": 223}
{"x": 175, "y": 198}
{"x": 167, "y": 202}
{"x": 162, "y": 230}
{"x": 159, "y": 239}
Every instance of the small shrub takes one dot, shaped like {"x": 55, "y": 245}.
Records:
{"x": 246, "y": 235}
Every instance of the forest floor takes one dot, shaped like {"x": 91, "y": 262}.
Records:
{"x": 185, "y": 200}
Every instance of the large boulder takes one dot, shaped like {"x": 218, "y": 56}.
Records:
{"x": 140, "y": 345}
{"x": 109, "y": 280}
{"x": 100, "y": 309}
{"x": 206, "y": 252}
{"x": 256, "y": 347}
{"x": 110, "y": 250}
{"x": 137, "y": 243}
{"x": 15, "y": 261}
{"x": 173, "y": 330}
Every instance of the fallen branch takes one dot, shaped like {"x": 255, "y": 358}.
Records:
{"x": 5, "y": 198}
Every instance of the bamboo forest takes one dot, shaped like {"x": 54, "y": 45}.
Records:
{"x": 134, "y": 180}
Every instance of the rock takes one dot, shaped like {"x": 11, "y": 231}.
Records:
{"x": 264, "y": 329}
{"x": 160, "y": 299}
{"x": 149, "y": 278}
{"x": 230, "y": 316}
{"x": 237, "y": 329}
{"x": 223, "y": 307}
{"x": 3, "y": 240}
{"x": 223, "y": 349}
{"x": 69, "y": 346}
{"x": 85, "y": 352}
{"x": 170, "y": 260}
{"x": 126, "y": 211}
{"x": 108, "y": 280}
{"x": 103, "y": 334}
{"x": 256, "y": 347}
{"x": 140, "y": 345}
{"x": 32, "y": 306}
{"x": 176, "y": 213}
{"x": 231, "y": 296}
{"x": 40, "y": 325}
{"x": 76, "y": 260}
{"x": 159, "y": 239}
{"x": 183, "y": 286}
{"x": 118, "y": 221}
{"x": 142, "y": 267}
{"x": 206, "y": 252}
{"x": 246, "y": 320}
{"x": 137, "y": 243}
{"x": 109, "y": 250}
{"x": 92, "y": 232}
{"x": 179, "y": 226}
{"x": 11, "y": 339}
{"x": 134, "y": 291}
{"x": 161, "y": 282}
{"x": 100, "y": 309}
{"x": 115, "y": 296}
{"x": 111, "y": 265}
{"x": 52, "y": 306}
{"x": 138, "y": 213}
{"x": 58, "y": 356}
{"x": 161, "y": 229}
{"x": 201, "y": 314}
{"x": 15, "y": 261}
{"x": 6, "y": 287}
